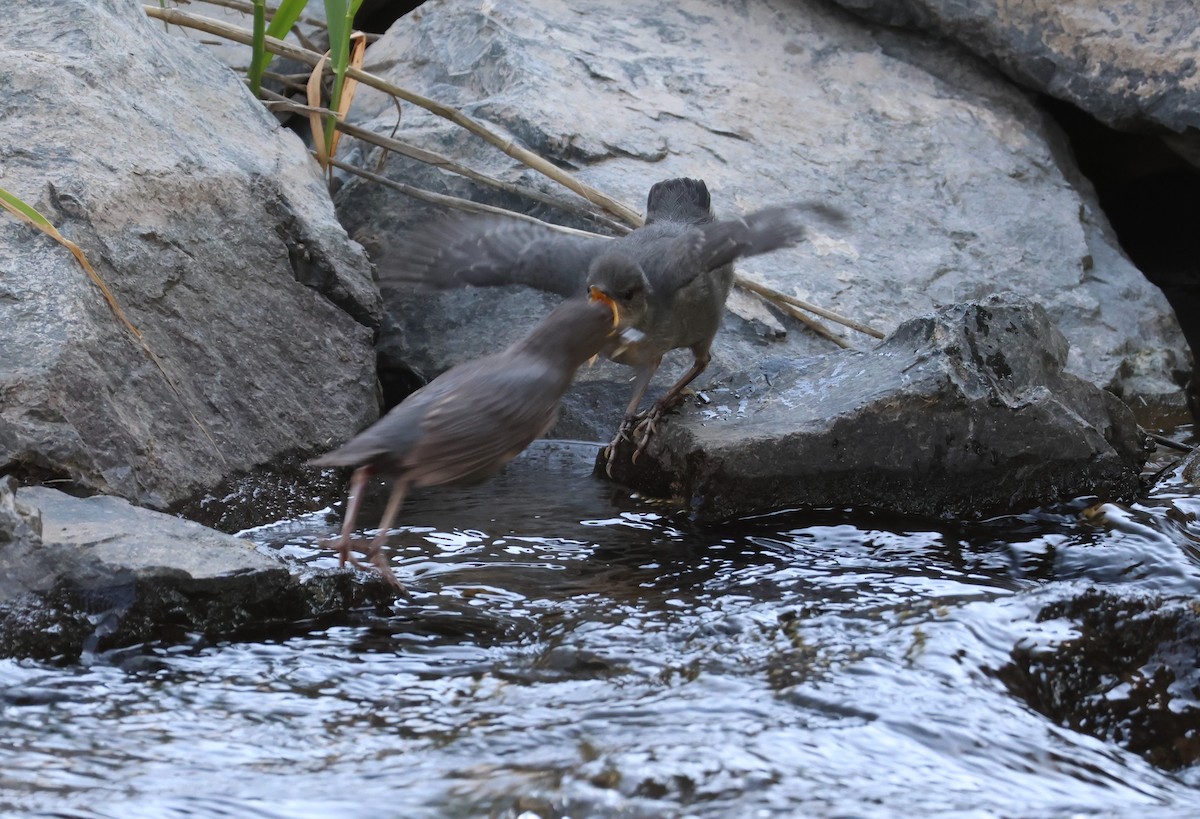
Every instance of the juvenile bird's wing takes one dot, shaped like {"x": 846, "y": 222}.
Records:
{"x": 491, "y": 251}
{"x": 492, "y": 413}
{"x": 708, "y": 247}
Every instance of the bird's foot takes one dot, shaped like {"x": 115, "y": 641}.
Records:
{"x": 645, "y": 424}
{"x": 384, "y": 567}
{"x": 346, "y": 556}
{"x": 375, "y": 558}
{"x": 624, "y": 433}
{"x": 646, "y": 427}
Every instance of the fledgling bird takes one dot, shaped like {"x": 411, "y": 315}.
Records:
{"x": 669, "y": 278}
{"x": 467, "y": 423}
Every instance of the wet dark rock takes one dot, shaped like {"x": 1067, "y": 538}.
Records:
{"x": 1129, "y": 674}
{"x": 214, "y": 231}
{"x": 959, "y": 413}
{"x": 1127, "y": 64}
{"x": 955, "y": 183}
{"x": 286, "y": 489}
{"x": 106, "y": 574}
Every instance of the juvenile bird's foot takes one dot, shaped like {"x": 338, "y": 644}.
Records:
{"x": 645, "y": 428}
{"x": 624, "y": 433}
{"x": 638, "y": 429}
{"x": 647, "y": 422}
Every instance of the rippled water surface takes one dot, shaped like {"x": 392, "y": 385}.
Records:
{"x": 568, "y": 650}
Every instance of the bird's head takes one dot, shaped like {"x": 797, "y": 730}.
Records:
{"x": 619, "y": 281}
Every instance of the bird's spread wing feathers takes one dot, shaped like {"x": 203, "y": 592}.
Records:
{"x": 708, "y": 247}
{"x": 491, "y": 251}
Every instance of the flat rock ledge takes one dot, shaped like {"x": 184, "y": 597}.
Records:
{"x": 80, "y": 575}
{"x": 960, "y": 413}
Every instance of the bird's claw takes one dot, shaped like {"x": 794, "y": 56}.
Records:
{"x": 645, "y": 430}
{"x": 637, "y": 430}
{"x": 628, "y": 426}
{"x": 377, "y": 556}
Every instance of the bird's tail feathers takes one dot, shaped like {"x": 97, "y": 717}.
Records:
{"x": 351, "y": 453}
{"x": 679, "y": 200}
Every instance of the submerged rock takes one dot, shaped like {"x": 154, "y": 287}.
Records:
{"x": 1128, "y": 673}
{"x": 959, "y": 413}
{"x": 105, "y": 574}
{"x": 213, "y": 229}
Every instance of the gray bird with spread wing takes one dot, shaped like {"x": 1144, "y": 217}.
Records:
{"x": 669, "y": 278}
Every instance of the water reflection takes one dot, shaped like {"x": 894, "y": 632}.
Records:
{"x": 569, "y": 650}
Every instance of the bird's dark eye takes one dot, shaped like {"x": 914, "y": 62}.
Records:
{"x": 627, "y": 295}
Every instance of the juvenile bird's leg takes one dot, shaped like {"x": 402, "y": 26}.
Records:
{"x": 630, "y": 421}
{"x": 377, "y": 551}
{"x": 648, "y": 423}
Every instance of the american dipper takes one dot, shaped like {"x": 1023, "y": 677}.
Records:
{"x": 467, "y": 423}
{"x": 669, "y": 278}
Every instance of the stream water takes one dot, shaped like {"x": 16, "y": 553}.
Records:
{"x": 570, "y": 651}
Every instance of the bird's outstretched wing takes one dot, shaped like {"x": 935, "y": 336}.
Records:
{"x": 708, "y": 247}
{"x": 492, "y": 251}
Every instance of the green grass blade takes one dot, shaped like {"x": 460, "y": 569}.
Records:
{"x": 340, "y": 19}
{"x": 285, "y": 17}
{"x": 258, "y": 58}
{"x": 13, "y": 202}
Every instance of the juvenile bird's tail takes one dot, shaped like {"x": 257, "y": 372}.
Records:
{"x": 679, "y": 200}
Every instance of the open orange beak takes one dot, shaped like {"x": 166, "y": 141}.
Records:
{"x": 596, "y": 294}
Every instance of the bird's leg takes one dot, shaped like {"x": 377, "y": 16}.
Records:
{"x": 648, "y": 425}
{"x": 358, "y": 482}
{"x": 377, "y": 552}
{"x": 629, "y": 422}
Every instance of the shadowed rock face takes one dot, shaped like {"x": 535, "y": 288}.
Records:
{"x": 212, "y": 228}
{"x": 955, "y": 414}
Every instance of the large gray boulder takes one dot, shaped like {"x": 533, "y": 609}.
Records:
{"x": 214, "y": 231}
{"x": 1127, "y": 64}
{"x": 955, "y": 184}
{"x": 959, "y": 413}
{"x": 103, "y": 573}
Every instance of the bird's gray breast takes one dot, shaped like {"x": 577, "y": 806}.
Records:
{"x": 692, "y": 314}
